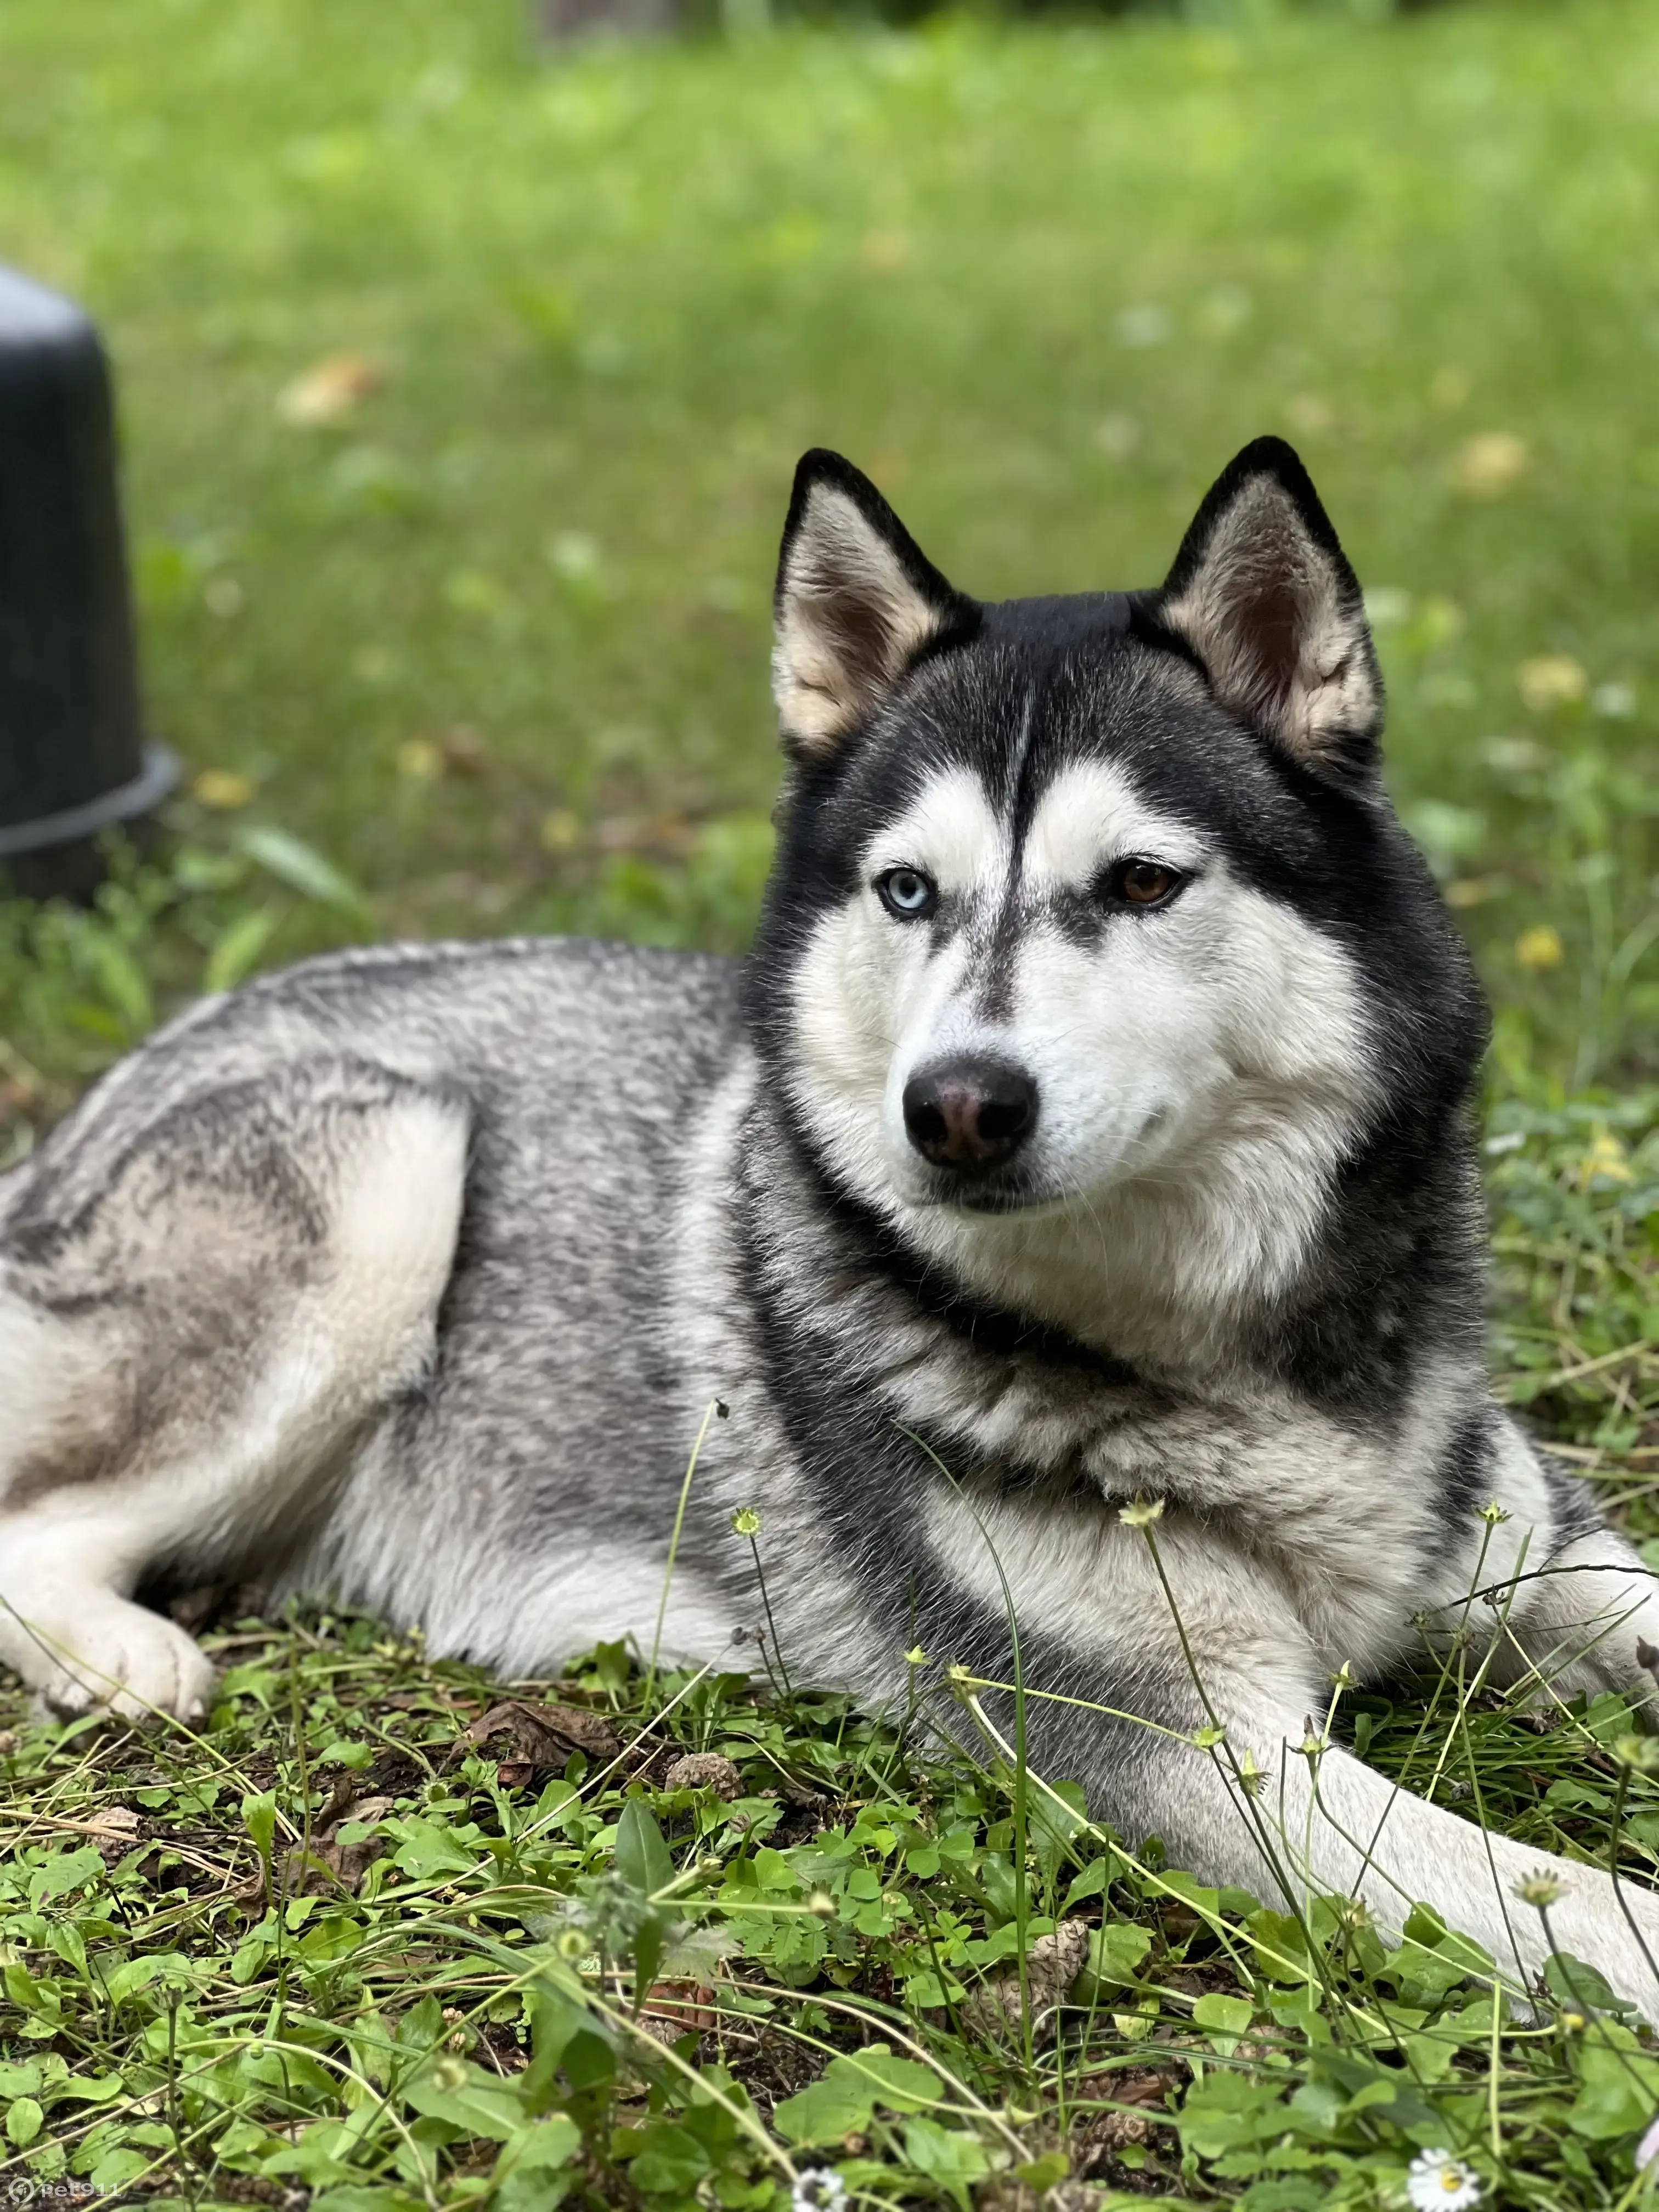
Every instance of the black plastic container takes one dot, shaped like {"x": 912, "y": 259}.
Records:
{"x": 73, "y": 758}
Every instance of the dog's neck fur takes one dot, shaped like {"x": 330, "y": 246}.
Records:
{"x": 1166, "y": 1271}
{"x": 1268, "y": 1262}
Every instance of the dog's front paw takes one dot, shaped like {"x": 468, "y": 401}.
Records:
{"x": 119, "y": 1658}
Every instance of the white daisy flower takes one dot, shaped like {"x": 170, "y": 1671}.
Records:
{"x": 818, "y": 2188}
{"x": 1437, "y": 2182}
{"x": 1647, "y": 2149}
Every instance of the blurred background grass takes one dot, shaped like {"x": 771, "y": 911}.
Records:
{"x": 461, "y": 381}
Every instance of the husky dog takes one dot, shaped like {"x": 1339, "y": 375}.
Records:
{"x": 1076, "y": 1186}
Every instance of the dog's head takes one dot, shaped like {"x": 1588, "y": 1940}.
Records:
{"x": 1081, "y": 896}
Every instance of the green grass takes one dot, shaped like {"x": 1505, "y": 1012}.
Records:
{"x": 488, "y": 651}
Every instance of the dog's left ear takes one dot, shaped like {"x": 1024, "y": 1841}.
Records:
{"x": 1262, "y": 592}
{"x": 857, "y": 600}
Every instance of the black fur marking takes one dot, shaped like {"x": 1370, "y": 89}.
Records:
{"x": 993, "y": 958}
{"x": 1466, "y": 1476}
{"x": 870, "y": 1481}
{"x": 1576, "y": 1513}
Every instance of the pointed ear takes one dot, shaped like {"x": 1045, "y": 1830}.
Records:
{"x": 856, "y": 601}
{"x": 1262, "y": 593}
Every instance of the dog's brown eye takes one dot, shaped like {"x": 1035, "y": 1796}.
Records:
{"x": 1143, "y": 882}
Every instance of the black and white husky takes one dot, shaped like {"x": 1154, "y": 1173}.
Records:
{"x": 1092, "y": 1125}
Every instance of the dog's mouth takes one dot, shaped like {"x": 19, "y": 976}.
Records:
{"x": 989, "y": 1194}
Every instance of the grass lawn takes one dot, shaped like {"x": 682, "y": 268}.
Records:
{"x": 460, "y": 389}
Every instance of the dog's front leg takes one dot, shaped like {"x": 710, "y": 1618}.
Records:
{"x": 1201, "y": 1639}
{"x": 1265, "y": 1811}
{"x": 1571, "y": 1607}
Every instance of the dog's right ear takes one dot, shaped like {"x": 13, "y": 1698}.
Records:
{"x": 856, "y": 601}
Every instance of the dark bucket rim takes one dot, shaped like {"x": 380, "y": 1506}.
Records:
{"x": 151, "y": 784}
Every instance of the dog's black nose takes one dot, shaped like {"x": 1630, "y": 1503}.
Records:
{"x": 970, "y": 1115}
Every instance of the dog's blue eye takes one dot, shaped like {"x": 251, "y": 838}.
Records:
{"x": 907, "y": 893}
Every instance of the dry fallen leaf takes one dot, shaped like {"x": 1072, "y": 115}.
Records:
{"x": 250, "y": 1892}
{"x": 1114, "y": 2131}
{"x": 329, "y": 389}
{"x": 540, "y": 1735}
{"x": 1106, "y": 2134}
{"x": 463, "y": 751}
{"x": 327, "y": 1867}
{"x": 679, "y": 2006}
{"x": 115, "y": 1830}
{"x": 330, "y": 1864}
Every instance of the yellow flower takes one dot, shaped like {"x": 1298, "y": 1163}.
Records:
{"x": 1487, "y": 466}
{"x": 1469, "y": 891}
{"x": 1606, "y": 1157}
{"x": 1539, "y": 946}
{"x": 1550, "y": 680}
{"x": 417, "y": 759}
{"x": 222, "y": 788}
